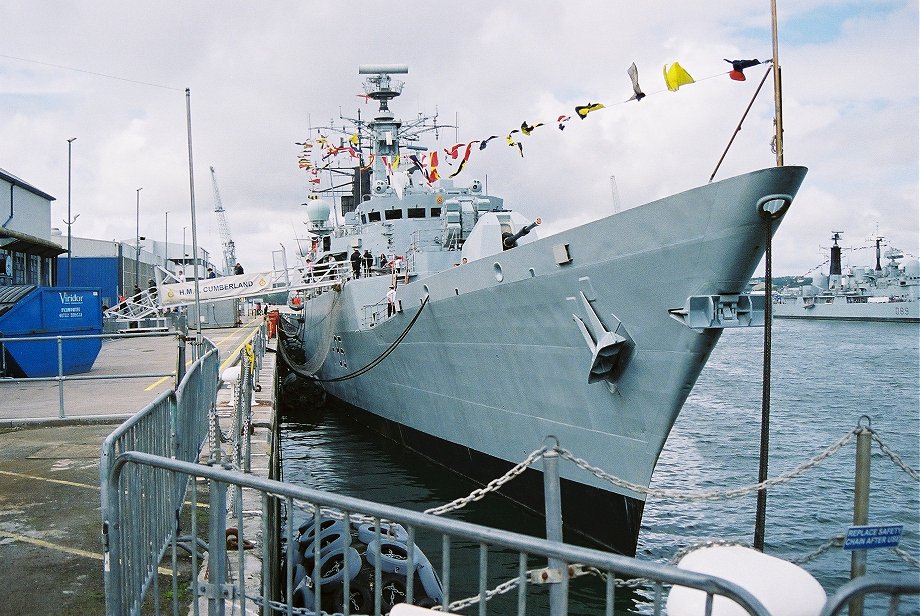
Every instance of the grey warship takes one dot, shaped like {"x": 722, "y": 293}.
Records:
{"x": 497, "y": 339}
{"x": 885, "y": 292}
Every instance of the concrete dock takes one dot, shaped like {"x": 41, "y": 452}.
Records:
{"x": 50, "y": 524}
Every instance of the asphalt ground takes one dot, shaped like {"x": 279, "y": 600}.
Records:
{"x": 50, "y": 522}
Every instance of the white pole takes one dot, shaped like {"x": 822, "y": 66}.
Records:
{"x": 191, "y": 186}
{"x": 69, "y": 219}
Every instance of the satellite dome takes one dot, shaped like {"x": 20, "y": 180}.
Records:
{"x": 318, "y": 211}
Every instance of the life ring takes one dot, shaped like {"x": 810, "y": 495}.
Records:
{"x": 360, "y": 598}
{"x": 337, "y": 564}
{"x": 394, "y": 556}
{"x": 328, "y": 541}
{"x": 327, "y": 527}
{"x": 429, "y": 579}
{"x": 307, "y": 527}
{"x": 303, "y": 596}
{"x": 300, "y": 572}
{"x": 392, "y": 591}
{"x": 388, "y": 532}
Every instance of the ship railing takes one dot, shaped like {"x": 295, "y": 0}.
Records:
{"x": 516, "y": 573}
{"x": 372, "y": 314}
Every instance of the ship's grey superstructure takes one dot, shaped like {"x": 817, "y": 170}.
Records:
{"x": 498, "y": 339}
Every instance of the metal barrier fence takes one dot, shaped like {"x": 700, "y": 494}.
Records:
{"x": 893, "y": 586}
{"x": 61, "y": 378}
{"x": 174, "y": 425}
{"x": 136, "y": 473}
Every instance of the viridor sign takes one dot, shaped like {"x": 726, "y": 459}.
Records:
{"x": 869, "y": 537}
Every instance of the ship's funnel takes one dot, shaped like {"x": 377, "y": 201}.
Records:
{"x": 835, "y": 256}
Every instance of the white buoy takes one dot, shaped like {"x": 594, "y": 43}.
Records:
{"x": 784, "y": 589}
{"x": 404, "y": 609}
{"x": 230, "y": 375}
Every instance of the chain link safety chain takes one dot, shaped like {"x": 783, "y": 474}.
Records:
{"x": 462, "y": 604}
{"x": 834, "y": 542}
{"x": 577, "y": 570}
{"x": 492, "y": 486}
{"x": 354, "y": 518}
{"x": 709, "y": 494}
{"x": 907, "y": 557}
{"x": 894, "y": 457}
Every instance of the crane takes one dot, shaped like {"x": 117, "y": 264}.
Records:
{"x": 223, "y": 228}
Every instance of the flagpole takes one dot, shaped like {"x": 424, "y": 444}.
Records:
{"x": 191, "y": 184}
{"x": 777, "y": 88}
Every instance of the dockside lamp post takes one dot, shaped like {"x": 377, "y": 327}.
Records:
{"x": 137, "y": 241}
{"x": 69, "y": 220}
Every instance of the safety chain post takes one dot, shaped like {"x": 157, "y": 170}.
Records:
{"x": 861, "y": 503}
{"x": 552, "y": 495}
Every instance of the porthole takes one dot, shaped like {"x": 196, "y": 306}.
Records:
{"x": 499, "y": 276}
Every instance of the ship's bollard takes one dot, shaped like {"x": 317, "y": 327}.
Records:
{"x": 861, "y": 504}
{"x": 552, "y": 495}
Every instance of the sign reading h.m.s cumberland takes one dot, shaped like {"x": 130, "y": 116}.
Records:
{"x": 224, "y": 287}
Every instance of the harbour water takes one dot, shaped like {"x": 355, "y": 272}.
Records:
{"x": 825, "y": 376}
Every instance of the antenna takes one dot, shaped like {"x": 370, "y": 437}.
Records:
{"x": 615, "y": 193}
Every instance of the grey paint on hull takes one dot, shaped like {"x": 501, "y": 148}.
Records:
{"x": 496, "y": 362}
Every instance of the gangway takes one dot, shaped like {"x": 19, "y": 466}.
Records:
{"x": 171, "y": 293}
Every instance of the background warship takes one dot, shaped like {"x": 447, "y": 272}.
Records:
{"x": 499, "y": 339}
{"x": 886, "y": 292}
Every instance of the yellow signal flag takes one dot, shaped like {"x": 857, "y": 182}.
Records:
{"x": 676, "y": 76}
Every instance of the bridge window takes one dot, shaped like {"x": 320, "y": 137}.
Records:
{"x": 435, "y": 212}
{"x": 416, "y": 212}
{"x": 373, "y": 216}
{"x": 392, "y": 214}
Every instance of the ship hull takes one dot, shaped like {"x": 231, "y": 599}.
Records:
{"x": 841, "y": 310}
{"x": 594, "y": 517}
{"x": 489, "y": 359}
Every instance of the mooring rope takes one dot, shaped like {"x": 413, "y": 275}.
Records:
{"x": 299, "y": 370}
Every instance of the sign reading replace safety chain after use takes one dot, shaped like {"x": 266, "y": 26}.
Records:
{"x": 869, "y": 537}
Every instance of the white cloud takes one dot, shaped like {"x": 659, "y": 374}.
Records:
{"x": 261, "y": 75}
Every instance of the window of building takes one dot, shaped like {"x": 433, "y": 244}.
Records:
{"x": 34, "y": 275}
{"x": 393, "y": 214}
{"x": 19, "y": 268}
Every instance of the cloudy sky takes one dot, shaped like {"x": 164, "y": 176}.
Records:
{"x": 113, "y": 75}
